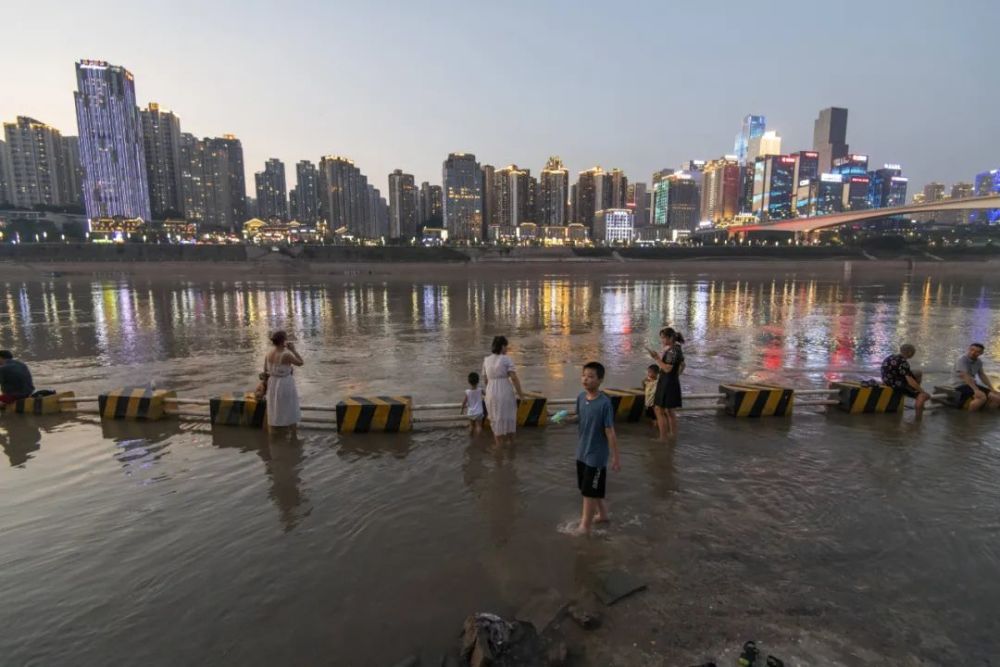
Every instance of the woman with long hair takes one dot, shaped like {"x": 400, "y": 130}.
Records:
{"x": 282, "y": 396}
{"x": 501, "y": 384}
{"x": 668, "y": 398}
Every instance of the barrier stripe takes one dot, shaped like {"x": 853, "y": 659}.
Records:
{"x": 747, "y": 401}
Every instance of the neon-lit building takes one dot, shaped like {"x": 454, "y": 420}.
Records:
{"x": 820, "y": 196}
{"x": 987, "y": 183}
{"x": 111, "y": 147}
{"x": 753, "y": 127}
{"x": 462, "y": 181}
{"x": 773, "y": 187}
{"x": 721, "y": 187}
{"x": 614, "y": 225}
{"x": 856, "y": 193}
{"x": 887, "y": 187}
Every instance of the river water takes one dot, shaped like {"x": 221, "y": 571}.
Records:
{"x": 833, "y": 539}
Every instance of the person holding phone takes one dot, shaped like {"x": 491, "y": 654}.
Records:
{"x": 670, "y": 361}
{"x": 282, "y": 396}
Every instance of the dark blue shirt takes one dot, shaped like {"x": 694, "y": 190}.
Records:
{"x": 593, "y": 417}
{"x": 15, "y": 379}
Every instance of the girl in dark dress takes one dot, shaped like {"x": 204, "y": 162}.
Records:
{"x": 668, "y": 384}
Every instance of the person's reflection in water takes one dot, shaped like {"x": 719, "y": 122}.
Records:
{"x": 659, "y": 461}
{"x": 283, "y": 461}
{"x": 19, "y": 437}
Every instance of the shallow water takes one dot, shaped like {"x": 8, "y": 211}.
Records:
{"x": 837, "y": 539}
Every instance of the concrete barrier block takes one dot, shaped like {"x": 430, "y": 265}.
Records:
{"x": 363, "y": 414}
{"x": 238, "y": 409}
{"x": 46, "y": 405}
{"x": 857, "y": 399}
{"x": 757, "y": 400}
{"x": 134, "y": 403}
{"x": 531, "y": 410}
{"x": 629, "y": 404}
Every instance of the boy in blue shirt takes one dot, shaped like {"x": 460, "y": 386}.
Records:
{"x": 596, "y": 419}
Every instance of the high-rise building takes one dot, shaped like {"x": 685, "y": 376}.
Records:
{"x": 886, "y": 187}
{"x": 753, "y": 127}
{"x": 462, "y": 187}
{"x": 618, "y": 184}
{"x": 111, "y": 147}
{"x": 512, "y": 190}
{"x": 721, "y": 188}
{"x": 6, "y": 185}
{"x": 553, "y": 194}
{"x": 593, "y": 194}
{"x": 206, "y": 183}
{"x": 614, "y": 225}
{"x": 934, "y": 191}
{"x": 430, "y": 205}
{"x": 348, "y": 203}
{"x": 161, "y": 136}
{"x": 769, "y": 143}
{"x": 851, "y": 165}
{"x": 638, "y": 202}
{"x": 272, "y": 195}
{"x": 856, "y": 192}
{"x": 237, "y": 178}
{"x": 306, "y": 208}
{"x": 377, "y": 224}
{"x": 74, "y": 171}
{"x": 682, "y": 202}
{"x": 987, "y": 183}
{"x": 37, "y": 163}
{"x": 402, "y": 205}
{"x": 661, "y": 202}
{"x": 962, "y": 190}
{"x": 806, "y": 166}
{"x": 489, "y": 194}
{"x": 830, "y": 136}
{"x": 820, "y": 196}
{"x": 658, "y": 176}
{"x": 774, "y": 188}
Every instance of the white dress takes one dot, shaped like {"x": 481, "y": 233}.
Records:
{"x": 282, "y": 396}
{"x": 501, "y": 403}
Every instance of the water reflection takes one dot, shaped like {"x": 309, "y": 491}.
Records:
{"x": 283, "y": 462}
{"x": 19, "y": 437}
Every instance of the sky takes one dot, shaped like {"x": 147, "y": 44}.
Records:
{"x": 640, "y": 85}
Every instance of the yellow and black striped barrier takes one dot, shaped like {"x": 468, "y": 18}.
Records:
{"x": 629, "y": 404}
{"x": 139, "y": 403}
{"x": 856, "y": 398}
{"x": 953, "y": 397}
{"x": 757, "y": 400}
{"x": 237, "y": 409}
{"x": 531, "y": 410}
{"x": 362, "y": 414}
{"x": 43, "y": 405}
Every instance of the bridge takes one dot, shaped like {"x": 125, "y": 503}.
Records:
{"x": 820, "y": 222}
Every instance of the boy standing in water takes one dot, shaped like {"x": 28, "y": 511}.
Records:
{"x": 596, "y": 419}
{"x": 472, "y": 405}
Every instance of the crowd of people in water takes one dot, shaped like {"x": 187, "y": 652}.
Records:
{"x": 597, "y": 445}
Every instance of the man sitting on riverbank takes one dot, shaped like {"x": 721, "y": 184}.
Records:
{"x": 896, "y": 373}
{"x": 15, "y": 379}
{"x": 968, "y": 368}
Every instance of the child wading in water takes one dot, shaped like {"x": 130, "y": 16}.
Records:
{"x": 596, "y": 419}
{"x": 472, "y": 405}
{"x": 649, "y": 389}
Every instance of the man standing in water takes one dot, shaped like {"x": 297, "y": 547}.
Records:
{"x": 596, "y": 418}
{"x": 896, "y": 373}
{"x": 15, "y": 379}
{"x": 968, "y": 368}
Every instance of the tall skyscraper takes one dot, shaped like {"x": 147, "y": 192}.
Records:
{"x": 638, "y": 202}
{"x": 820, "y": 196}
{"x": 161, "y": 135}
{"x": 886, "y": 187}
{"x": 272, "y": 195}
{"x": 934, "y": 191}
{"x": 111, "y": 148}
{"x": 987, "y": 183}
{"x": 774, "y": 190}
{"x": 489, "y": 194}
{"x": 430, "y": 205}
{"x": 37, "y": 163}
{"x": 6, "y": 185}
{"x": 463, "y": 197}
{"x": 594, "y": 193}
{"x": 753, "y": 127}
{"x": 377, "y": 224}
{"x": 553, "y": 194}
{"x": 682, "y": 202}
{"x": 806, "y": 166}
{"x": 513, "y": 195}
{"x": 307, "y": 208}
{"x": 654, "y": 206}
{"x": 830, "y": 136}
{"x": 348, "y": 201}
{"x": 618, "y": 184}
{"x": 207, "y": 195}
{"x": 73, "y": 179}
{"x": 721, "y": 188}
{"x": 402, "y": 205}
{"x": 769, "y": 143}
{"x": 237, "y": 178}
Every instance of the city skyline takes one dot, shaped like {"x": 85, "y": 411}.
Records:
{"x": 909, "y": 119}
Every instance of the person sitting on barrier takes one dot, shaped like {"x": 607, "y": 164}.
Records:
{"x": 969, "y": 367}
{"x": 472, "y": 405}
{"x": 501, "y": 384}
{"x": 15, "y": 379}
{"x": 896, "y": 373}
{"x": 596, "y": 427}
{"x": 668, "y": 386}
{"x": 282, "y": 396}
{"x": 649, "y": 389}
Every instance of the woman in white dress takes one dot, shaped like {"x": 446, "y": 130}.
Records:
{"x": 501, "y": 384}
{"x": 282, "y": 396}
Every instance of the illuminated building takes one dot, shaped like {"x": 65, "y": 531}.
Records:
{"x": 614, "y": 225}
{"x": 207, "y": 182}
{"x": 553, "y": 194}
{"x": 116, "y": 229}
{"x": 806, "y": 166}
{"x": 657, "y": 177}
{"x": 820, "y": 196}
{"x": 73, "y": 180}
{"x": 430, "y": 205}
{"x": 769, "y": 143}
{"x": 830, "y": 136}
{"x": 753, "y": 127}
{"x": 593, "y": 194}
{"x": 851, "y": 165}
{"x": 111, "y": 148}
{"x": 6, "y": 185}
{"x": 306, "y": 208}
{"x": 617, "y": 184}
{"x": 512, "y": 194}
{"x": 347, "y": 201}
{"x": 987, "y": 183}
{"x": 233, "y": 149}
{"x": 376, "y": 225}
{"x": 856, "y": 193}
{"x": 962, "y": 191}
{"x": 161, "y": 135}
{"x": 638, "y": 202}
{"x": 180, "y": 230}
{"x": 773, "y": 187}
{"x": 272, "y": 195}
{"x": 463, "y": 197}
{"x": 886, "y": 187}
{"x": 402, "y": 205}
{"x": 720, "y": 190}
{"x": 682, "y": 201}
{"x": 919, "y": 198}
{"x": 36, "y": 160}
{"x": 489, "y": 195}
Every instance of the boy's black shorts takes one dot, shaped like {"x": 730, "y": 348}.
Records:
{"x": 590, "y": 480}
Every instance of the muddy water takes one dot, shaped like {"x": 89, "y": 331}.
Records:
{"x": 834, "y": 539}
